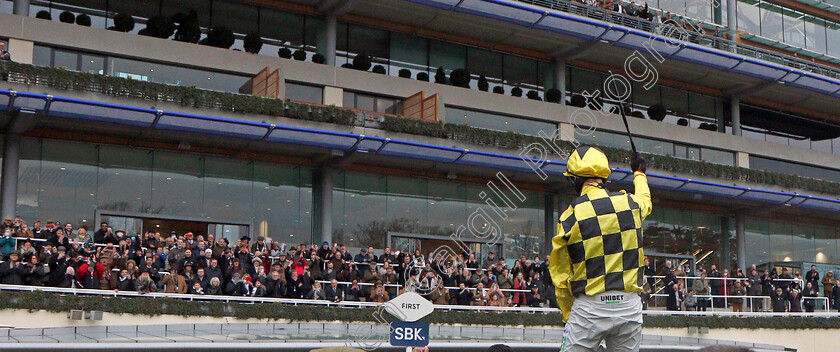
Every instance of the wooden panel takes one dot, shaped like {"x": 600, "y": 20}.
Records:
{"x": 272, "y": 85}
{"x": 430, "y": 108}
{"x": 258, "y": 83}
{"x": 413, "y": 106}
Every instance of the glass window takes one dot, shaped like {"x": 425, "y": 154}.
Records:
{"x": 67, "y": 191}
{"x": 447, "y": 55}
{"x": 42, "y": 56}
{"x": 238, "y": 17}
{"x": 372, "y": 41}
{"x": 585, "y": 80}
{"x": 675, "y": 6}
{"x": 227, "y": 188}
{"x": 794, "y": 28}
{"x": 29, "y": 179}
{"x": 137, "y": 8}
{"x": 748, "y": 18}
{"x": 815, "y": 34}
{"x": 781, "y": 241}
{"x": 651, "y": 146}
{"x": 757, "y": 241}
{"x": 283, "y": 26}
{"x": 524, "y": 229}
{"x": 125, "y": 179}
{"x": 675, "y": 101}
{"x": 66, "y": 59}
{"x": 832, "y": 33}
{"x": 771, "y": 22}
{"x": 825, "y": 245}
{"x": 498, "y": 122}
{"x": 447, "y": 208}
{"x": 518, "y": 70}
{"x": 314, "y": 35}
{"x": 701, "y": 105}
{"x": 282, "y": 197}
{"x": 803, "y": 242}
{"x": 93, "y": 64}
{"x": 181, "y": 76}
{"x": 645, "y": 97}
{"x": 409, "y": 51}
{"x": 715, "y": 156}
{"x": 365, "y": 102}
{"x": 700, "y": 9}
{"x": 407, "y": 204}
{"x": 177, "y": 187}
{"x": 359, "y": 209}
{"x": 484, "y": 62}
{"x": 304, "y": 93}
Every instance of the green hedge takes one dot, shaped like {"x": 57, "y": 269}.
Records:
{"x": 190, "y": 96}
{"x": 664, "y": 162}
{"x": 54, "y": 302}
{"x": 157, "y": 92}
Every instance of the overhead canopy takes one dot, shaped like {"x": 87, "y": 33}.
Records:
{"x": 75, "y": 109}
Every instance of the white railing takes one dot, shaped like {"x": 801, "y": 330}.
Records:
{"x": 766, "y": 299}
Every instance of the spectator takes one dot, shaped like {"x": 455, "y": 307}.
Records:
{"x": 317, "y": 293}
{"x": 4, "y": 55}
{"x": 690, "y": 300}
{"x": 795, "y": 298}
{"x": 828, "y": 282}
{"x": 259, "y": 290}
{"x": 716, "y": 285}
{"x": 645, "y": 296}
{"x": 215, "y": 287}
{"x": 835, "y": 295}
{"x": 785, "y": 279}
{"x": 674, "y": 297}
{"x": 813, "y": 276}
{"x": 353, "y": 292}
{"x": 464, "y": 297}
{"x": 7, "y": 242}
{"x": 778, "y": 298}
{"x": 12, "y": 272}
{"x": 753, "y": 284}
{"x": 125, "y": 282}
{"x": 69, "y": 279}
{"x": 810, "y": 295}
{"x": 34, "y": 271}
{"x": 702, "y": 288}
{"x": 144, "y": 283}
{"x": 333, "y": 292}
{"x": 378, "y": 294}
{"x": 518, "y": 298}
{"x": 738, "y": 303}
{"x": 489, "y": 261}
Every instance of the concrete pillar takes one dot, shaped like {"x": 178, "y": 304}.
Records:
{"x": 550, "y": 206}
{"x": 11, "y": 163}
{"x": 730, "y": 20}
{"x": 21, "y": 7}
{"x": 560, "y": 78}
{"x": 322, "y": 187}
{"x": 333, "y": 96}
{"x": 23, "y": 51}
{"x": 742, "y": 160}
{"x": 332, "y": 34}
{"x": 735, "y": 111}
{"x": 741, "y": 241}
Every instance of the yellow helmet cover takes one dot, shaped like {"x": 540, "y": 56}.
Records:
{"x": 588, "y": 162}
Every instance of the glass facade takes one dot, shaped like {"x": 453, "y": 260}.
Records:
{"x": 497, "y": 122}
{"x": 70, "y": 181}
{"x": 367, "y": 206}
{"x": 136, "y": 69}
{"x": 657, "y": 147}
{"x": 782, "y": 241}
{"x": 692, "y": 232}
{"x": 374, "y": 103}
{"x": 759, "y": 163}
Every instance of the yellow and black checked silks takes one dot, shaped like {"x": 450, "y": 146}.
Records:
{"x": 598, "y": 246}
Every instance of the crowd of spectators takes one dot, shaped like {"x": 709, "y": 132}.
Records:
{"x": 60, "y": 256}
{"x": 784, "y": 292}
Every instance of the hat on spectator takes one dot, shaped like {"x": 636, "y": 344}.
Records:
{"x": 261, "y": 238}
{"x": 245, "y": 238}
{"x": 326, "y": 243}
{"x": 173, "y": 232}
{"x": 188, "y": 234}
{"x": 62, "y": 248}
{"x": 208, "y": 250}
{"x": 257, "y": 260}
{"x": 8, "y": 218}
{"x": 237, "y": 275}
{"x": 16, "y": 254}
{"x": 188, "y": 263}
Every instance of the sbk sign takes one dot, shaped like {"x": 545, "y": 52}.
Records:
{"x": 409, "y": 334}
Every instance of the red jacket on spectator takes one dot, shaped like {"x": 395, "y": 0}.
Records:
{"x": 98, "y": 269}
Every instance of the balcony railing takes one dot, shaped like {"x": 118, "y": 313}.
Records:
{"x": 668, "y": 30}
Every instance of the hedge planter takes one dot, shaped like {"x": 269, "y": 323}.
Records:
{"x": 56, "y": 303}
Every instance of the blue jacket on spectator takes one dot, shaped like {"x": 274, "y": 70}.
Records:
{"x": 7, "y": 245}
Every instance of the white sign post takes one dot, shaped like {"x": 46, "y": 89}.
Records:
{"x": 410, "y": 307}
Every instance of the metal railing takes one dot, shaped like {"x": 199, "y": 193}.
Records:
{"x": 766, "y": 300}
{"x": 667, "y": 30}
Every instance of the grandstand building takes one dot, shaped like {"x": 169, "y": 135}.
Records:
{"x": 734, "y": 102}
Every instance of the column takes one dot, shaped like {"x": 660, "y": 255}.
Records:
{"x": 329, "y": 53}
{"x": 11, "y": 163}
{"x": 735, "y": 113}
{"x": 322, "y": 187}
{"x": 560, "y": 78}
{"x": 741, "y": 241}
{"x": 730, "y": 19}
{"x": 21, "y": 7}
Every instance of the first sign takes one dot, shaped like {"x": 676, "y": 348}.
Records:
{"x": 409, "y": 334}
{"x": 409, "y": 306}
